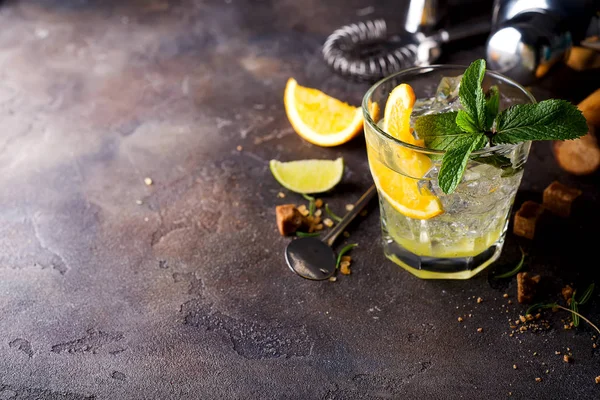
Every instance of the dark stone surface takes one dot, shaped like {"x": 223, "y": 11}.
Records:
{"x": 187, "y": 295}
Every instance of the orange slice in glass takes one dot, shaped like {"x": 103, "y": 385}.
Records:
{"x": 401, "y": 190}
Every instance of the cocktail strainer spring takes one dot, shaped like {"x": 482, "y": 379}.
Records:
{"x": 365, "y": 51}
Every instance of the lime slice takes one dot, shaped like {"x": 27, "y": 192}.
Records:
{"x": 308, "y": 176}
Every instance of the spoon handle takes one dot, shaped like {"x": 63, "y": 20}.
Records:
{"x": 358, "y": 207}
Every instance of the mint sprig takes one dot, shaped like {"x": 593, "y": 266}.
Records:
{"x": 479, "y": 123}
{"x": 463, "y": 135}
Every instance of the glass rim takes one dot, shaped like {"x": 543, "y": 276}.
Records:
{"x": 381, "y": 132}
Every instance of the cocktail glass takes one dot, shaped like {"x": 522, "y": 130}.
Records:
{"x": 469, "y": 234}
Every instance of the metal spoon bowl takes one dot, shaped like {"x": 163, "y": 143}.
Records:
{"x": 310, "y": 258}
{"x": 314, "y": 259}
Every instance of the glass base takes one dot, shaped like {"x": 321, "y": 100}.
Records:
{"x": 441, "y": 268}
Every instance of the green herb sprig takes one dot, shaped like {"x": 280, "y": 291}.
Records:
{"x": 305, "y": 234}
{"x": 574, "y": 310}
{"x": 344, "y": 250}
{"x": 331, "y": 214}
{"x": 515, "y": 270}
{"x": 575, "y": 303}
{"x": 573, "y": 307}
{"x": 587, "y": 294}
{"x": 311, "y": 204}
{"x": 556, "y": 305}
{"x": 480, "y": 123}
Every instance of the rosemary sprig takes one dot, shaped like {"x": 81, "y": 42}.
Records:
{"x": 346, "y": 249}
{"x": 574, "y": 310}
{"x": 587, "y": 294}
{"x": 516, "y": 269}
{"x": 541, "y": 306}
{"x": 331, "y": 214}
{"x": 305, "y": 234}
{"x": 311, "y": 203}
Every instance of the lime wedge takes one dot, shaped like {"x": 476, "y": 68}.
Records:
{"x": 308, "y": 176}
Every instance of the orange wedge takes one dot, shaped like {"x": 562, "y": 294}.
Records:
{"x": 318, "y": 118}
{"x": 402, "y": 191}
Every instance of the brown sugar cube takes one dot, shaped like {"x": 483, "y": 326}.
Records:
{"x": 289, "y": 219}
{"x": 558, "y": 198}
{"x": 526, "y": 286}
{"x": 303, "y": 210}
{"x": 313, "y": 223}
{"x": 526, "y": 219}
{"x": 567, "y": 293}
{"x": 313, "y": 219}
{"x": 345, "y": 268}
{"x": 522, "y": 318}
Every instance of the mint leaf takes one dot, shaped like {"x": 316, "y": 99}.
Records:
{"x": 466, "y": 123}
{"x": 455, "y": 160}
{"x": 471, "y": 94}
{"x": 492, "y": 104}
{"x": 547, "y": 120}
{"x": 438, "y": 130}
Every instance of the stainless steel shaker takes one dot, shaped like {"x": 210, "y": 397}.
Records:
{"x": 530, "y": 36}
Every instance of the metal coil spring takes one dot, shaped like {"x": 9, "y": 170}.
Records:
{"x": 364, "y": 51}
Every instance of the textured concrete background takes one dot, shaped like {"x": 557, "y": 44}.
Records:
{"x": 187, "y": 295}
